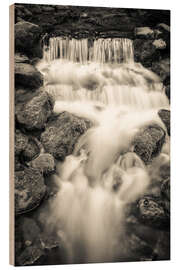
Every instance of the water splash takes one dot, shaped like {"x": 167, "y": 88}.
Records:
{"x": 109, "y": 84}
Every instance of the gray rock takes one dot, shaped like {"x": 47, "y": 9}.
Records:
{"x": 162, "y": 68}
{"x": 138, "y": 246}
{"x": 62, "y": 133}
{"x": 44, "y": 163}
{"x": 168, "y": 91}
{"x": 27, "y": 76}
{"x": 31, "y": 151}
{"x": 21, "y": 58}
{"x": 27, "y": 37}
{"x": 159, "y": 44}
{"x": 29, "y": 190}
{"x": 165, "y": 189}
{"x": 162, "y": 248}
{"x": 30, "y": 255}
{"x": 21, "y": 141}
{"x": 165, "y": 117}
{"x": 145, "y": 52}
{"x": 33, "y": 245}
{"x": 144, "y": 32}
{"x": 163, "y": 26}
{"x": 152, "y": 212}
{"x": 47, "y": 8}
{"x": 34, "y": 114}
{"x": 148, "y": 143}
{"x": 18, "y": 166}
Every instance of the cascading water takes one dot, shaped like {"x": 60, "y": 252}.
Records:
{"x": 98, "y": 80}
{"x": 102, "y": 50}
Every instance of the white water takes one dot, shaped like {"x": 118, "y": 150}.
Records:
{"x": 120, "y": 100}
{"x": 101, "y": 50}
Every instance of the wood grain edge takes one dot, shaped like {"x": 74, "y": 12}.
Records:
{"x": 11, "y": 138}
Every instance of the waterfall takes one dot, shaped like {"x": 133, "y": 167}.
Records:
{"x": 110, "y": 84}
{"x": 98, "y": 80}
{"x": 112, "y": 50}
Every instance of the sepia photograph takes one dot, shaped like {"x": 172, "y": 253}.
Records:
{"x": 90, "y": 134}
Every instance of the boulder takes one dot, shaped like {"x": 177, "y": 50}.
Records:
{"x": 27, "y": 76}
{"x": 145, "y": 52}
{"x": 18, "y": 165}
{"x": 31, "y": 150}
{"x": 34, "y": 113}
{"x": 27, "y": 37}
{"x": 21, "y": 141}
{"x": 48, "y": 9}
{"x": 138, "y": 247}
{"x": 29, "y": 190}
{"x": 163, "y": 27}
{"x": 168, "y": 91}
{"x": 159, "y": 44}
{"x": 164, "y": 170}
{"x": 165, "y": 117}
{"x": 162, "y": 248}
{"x": 148, "y": 143}
{"x": 21, "y": 58}
{"x": 29, "y": 256}
{"x": 22, "y": 11}
{"x": 162, "y": 68}
{"x": 33, "y": 245}
{"x": 44, "y": 163}
{"x": 24, "y": 95}
{"x": 62, "y": 133}
{"x": 152, "y": 212}
{"x": 28, "y": 229}
{"x": 43, "y": 251}
{"x": 144, "y": 32}
{"x": 165, "y": 189}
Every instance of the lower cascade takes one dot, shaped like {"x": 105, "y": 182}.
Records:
{"x": 103, "y": 175}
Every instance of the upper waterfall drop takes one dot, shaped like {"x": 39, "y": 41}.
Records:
{"x": 102, "y": 50}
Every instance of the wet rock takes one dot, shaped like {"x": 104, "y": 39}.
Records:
{"x": 62, "y": 133}
{"x": 21, "y": 141}
{"x": 162, "y": 68}
{"x": 144, "y": 32}
{"x": 27, "y": 36}
{"x": 29, "y": 190}
{"x": 159, "y": 44}
{"x": 163, "y": 26}
{"x": 24, "y": 95}
{"x": 165, "y": 189}
{"x": 18, "y": 165}
{"x": 152, "y": 212}
{"x": 44, "y": 163}
{"x": 138, "y": 246}
{"x": 162, "y": 249}
{"x": 33, "y": 244}
{"x": 27, "y": 76}
{"x": 29, "y": 256}
{"x": 168, "y": 91}
{"x": 31, "y": 151}
{"x": 47, "y": 8}
{"x": 21, "y": 58}
{"x": 164, "y": 170}
{"x": 165, "y": 117}
{"x": 35, "y": 113}
{"x": 145, "y": 52}
{"x": 22, "y": 11}
{"x": 148, "y": 143}
{"x": 29, "y": 230}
